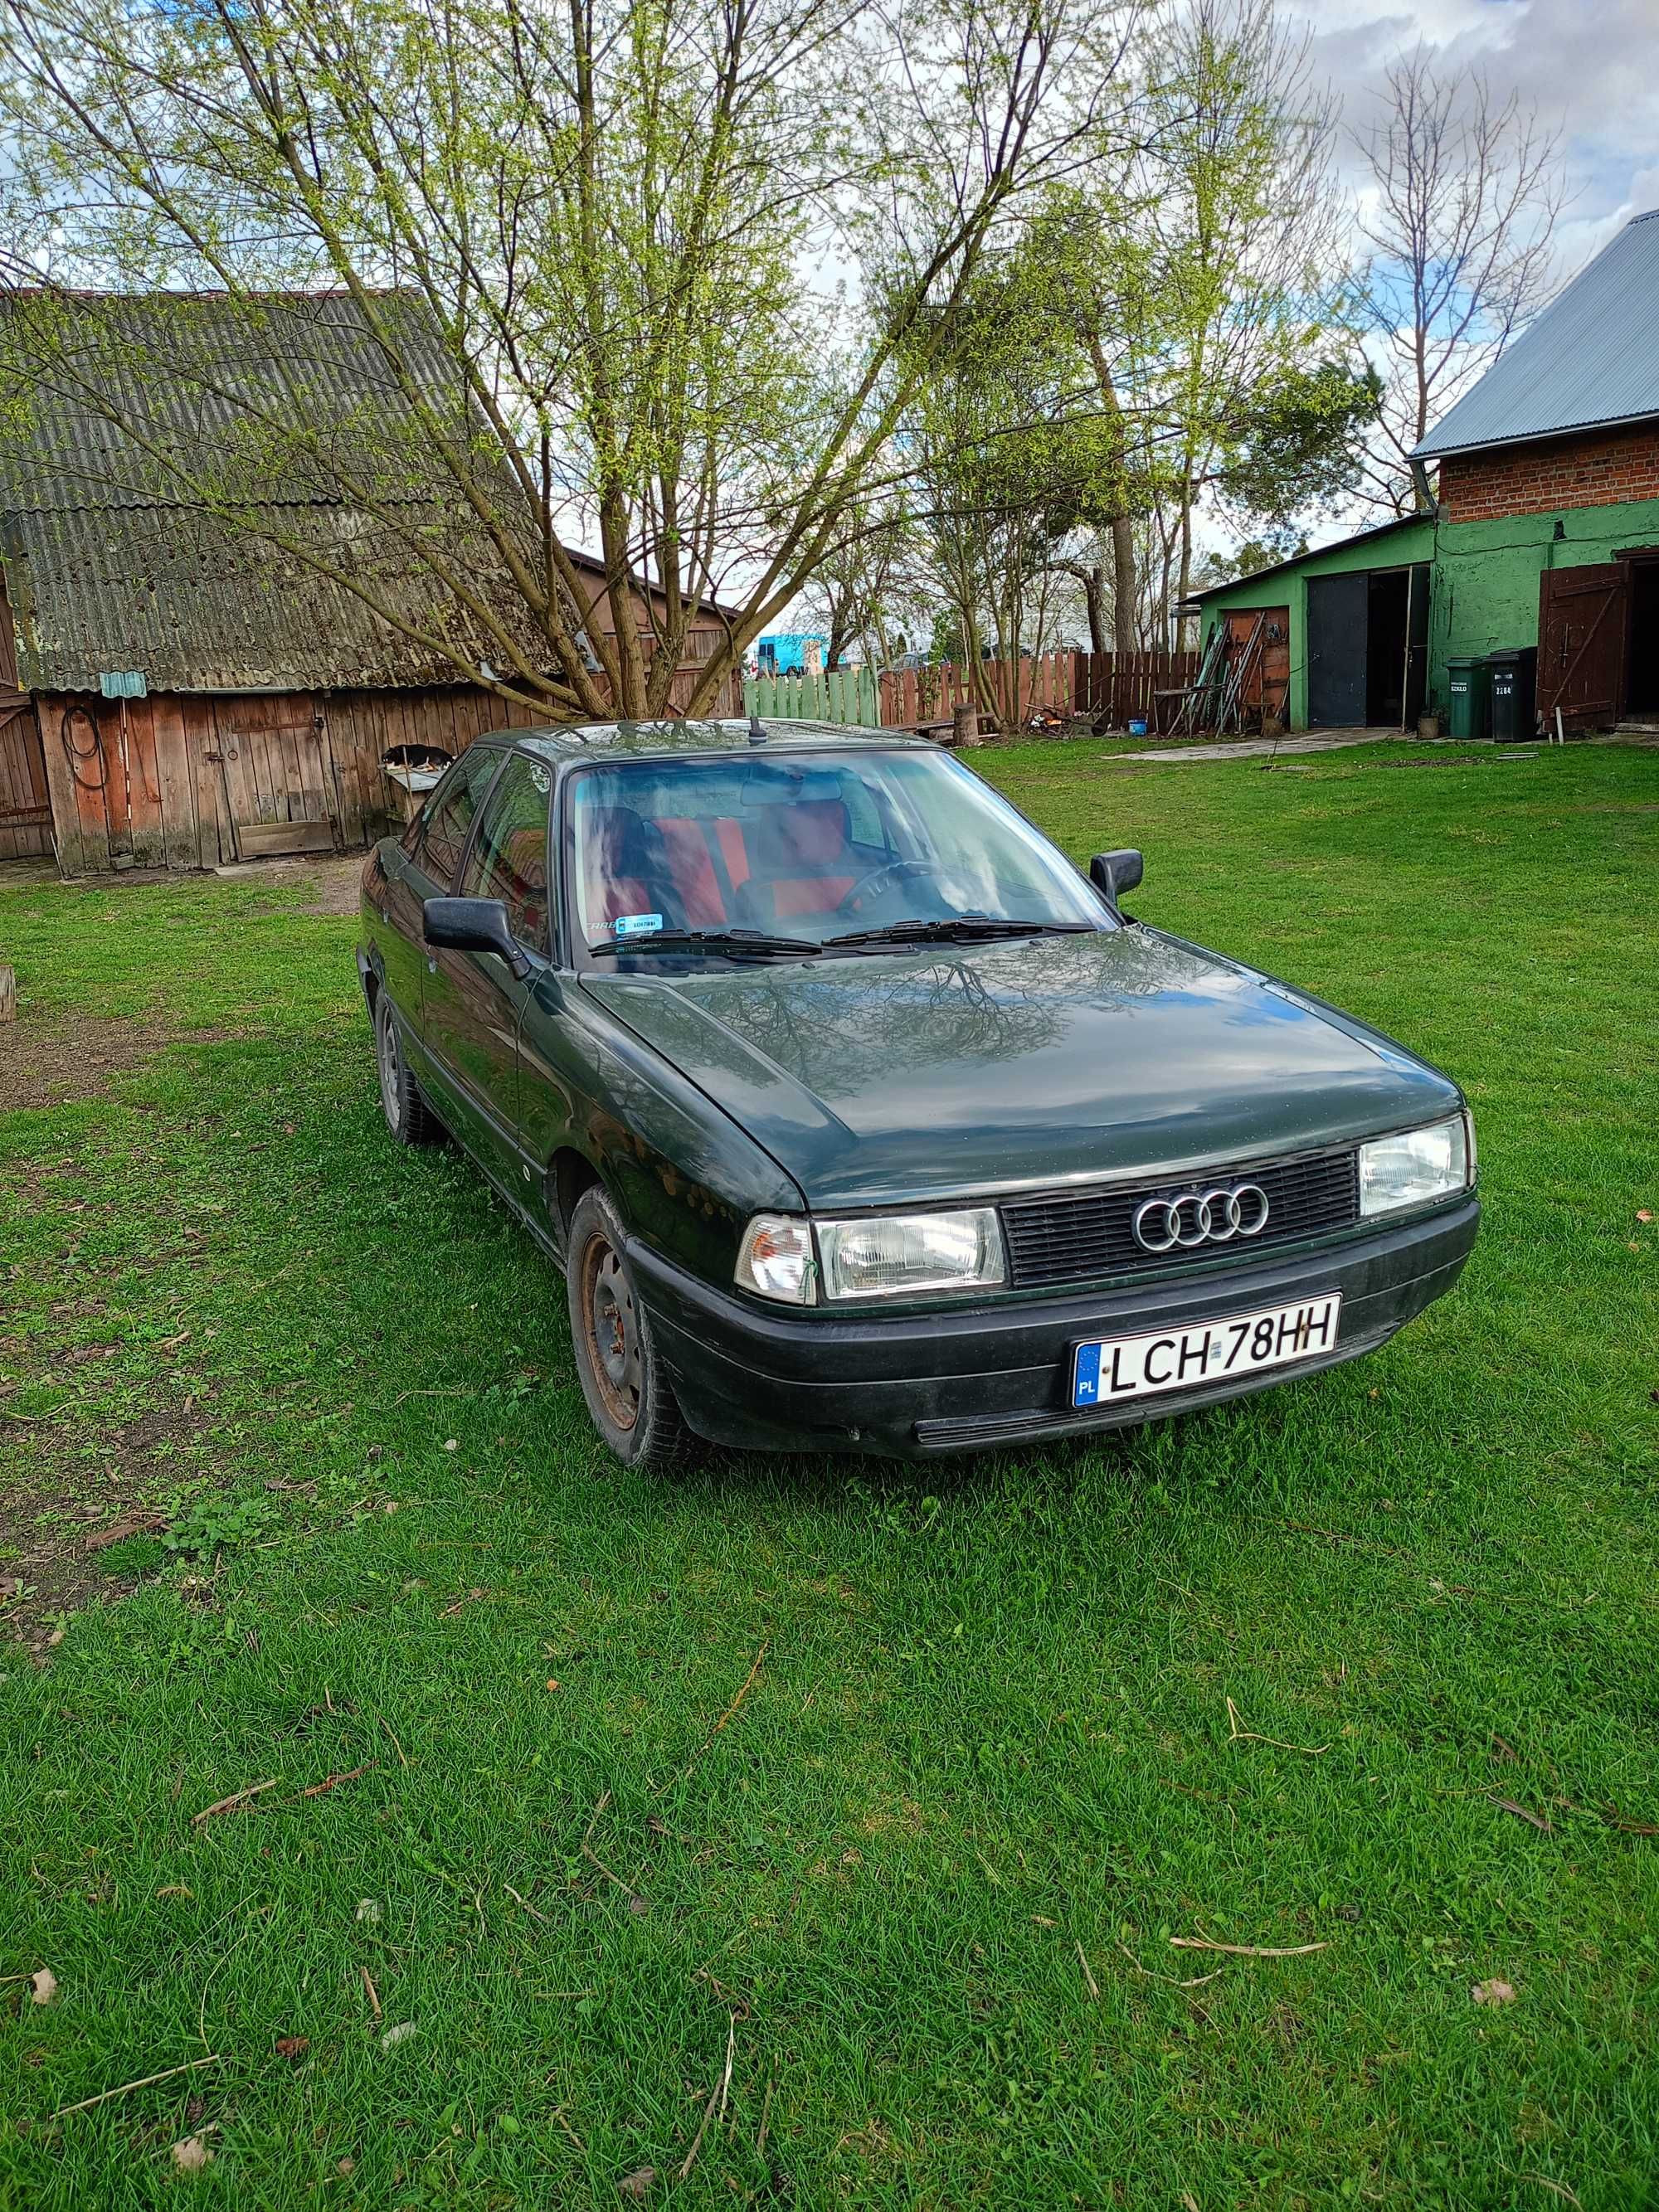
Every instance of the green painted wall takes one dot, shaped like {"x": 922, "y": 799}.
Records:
{"x": 1486, "y": 573}
{"x": 1288, "y": 587}
{"x": 1484, "y": 587}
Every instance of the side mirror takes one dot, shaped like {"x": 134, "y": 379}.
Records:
{"x": 473, "y": 925}
{"x": 1114, "y": 873}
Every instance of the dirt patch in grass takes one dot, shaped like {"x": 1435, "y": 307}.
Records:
{"x": 68, "y": 1533}
{"x": 334, "y": 886}
{"x": 338, "y": 887}
{"x": 49, "y": 1060}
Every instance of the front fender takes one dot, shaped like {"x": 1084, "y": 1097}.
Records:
{"x": 684, "y": 1175}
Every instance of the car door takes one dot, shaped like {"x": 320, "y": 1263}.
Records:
{"x": 423, "y": 865}
{"x": 473, "y": 1002}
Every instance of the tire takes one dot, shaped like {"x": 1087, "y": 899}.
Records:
{"x": 409, "y": 1120}
{"x": 628, "y": 1395}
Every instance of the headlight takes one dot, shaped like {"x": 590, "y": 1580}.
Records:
{"x": 776, "y": 1259}
{"x": 1409, "y": 1170}
{"x": 888, "y": 1255}
{"x": 892, "y": 1255}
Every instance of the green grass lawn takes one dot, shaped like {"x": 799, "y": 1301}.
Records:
{"x": 892, "y": 1788}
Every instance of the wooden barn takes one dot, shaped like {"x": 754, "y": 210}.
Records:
{"x": 188, "y": 682}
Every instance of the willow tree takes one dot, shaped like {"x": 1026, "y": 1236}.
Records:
{"x": 581, "y": 242}
{"x": 1011, "y": 454}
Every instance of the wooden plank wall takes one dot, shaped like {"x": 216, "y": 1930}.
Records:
{"x": 161, "y": 782}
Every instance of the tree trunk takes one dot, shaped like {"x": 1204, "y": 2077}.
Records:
{"x": 1093, "y": 580}
{"x": 977, "y": 677}
{"x": 1123, "y": 583}
{"x": 1123, "y": 535}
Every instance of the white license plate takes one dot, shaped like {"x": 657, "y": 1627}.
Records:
{"x": 1204, "y": 1351}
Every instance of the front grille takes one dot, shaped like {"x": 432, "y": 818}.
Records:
{"x": 1082, "y": 1235}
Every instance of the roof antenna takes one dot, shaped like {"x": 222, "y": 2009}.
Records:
{"x": 757, "y": 734}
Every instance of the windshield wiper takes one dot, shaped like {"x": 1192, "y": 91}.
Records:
{"x": 754, "y": 943}
{"x": 957, "y": 929}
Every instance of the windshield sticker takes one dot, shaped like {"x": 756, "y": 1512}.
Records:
{"x": 636, "y": 925}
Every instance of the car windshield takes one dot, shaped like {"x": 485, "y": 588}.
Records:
{"x": 804, "y": 848}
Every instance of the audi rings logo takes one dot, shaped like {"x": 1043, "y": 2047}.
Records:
{"x": 1211, "y": 1217}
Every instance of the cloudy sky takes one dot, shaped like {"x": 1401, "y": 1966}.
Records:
{"x": 1591, "y": 66}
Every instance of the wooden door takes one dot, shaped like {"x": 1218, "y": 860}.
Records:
{"x": 1582, "y": 615}
{"x": 1267, "y": 679}
{"x": 25, "y": 794}
{"x": 25, "y": 801}
{"x": 276, "y": 778}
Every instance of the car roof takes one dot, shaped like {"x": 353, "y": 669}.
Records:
{"x": 672, "y": 740}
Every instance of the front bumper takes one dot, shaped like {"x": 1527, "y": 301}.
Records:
{"x": 972, "y": 1378}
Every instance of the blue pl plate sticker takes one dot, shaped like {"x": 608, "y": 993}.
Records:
{"x": 1086, "y": 1388}
{"x": 636, "y": 925}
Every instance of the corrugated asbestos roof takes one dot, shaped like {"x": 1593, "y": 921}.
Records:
{"x": 115, "y": 562}
{"x": 1591, "y": 357}
{"x": 202, "y": 605}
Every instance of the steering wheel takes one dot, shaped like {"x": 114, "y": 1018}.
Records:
{"x": 878, "y": 881}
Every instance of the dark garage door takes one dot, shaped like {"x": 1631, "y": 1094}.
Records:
{"x": 1338, "y": 611}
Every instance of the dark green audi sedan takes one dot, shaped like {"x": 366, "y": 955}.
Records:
{"x": 857, "y": 1120}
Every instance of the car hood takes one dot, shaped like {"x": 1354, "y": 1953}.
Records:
{"x": 1021, "y": 1065}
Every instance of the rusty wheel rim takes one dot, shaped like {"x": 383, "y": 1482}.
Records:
{"x": 610, "y": 1326}
{"x": 391, "y": 1102}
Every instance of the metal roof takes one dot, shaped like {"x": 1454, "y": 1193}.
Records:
{"x": 1591, "y": 358}
{"x": 126, "y": 422}
{"x": 1313, "y": 553}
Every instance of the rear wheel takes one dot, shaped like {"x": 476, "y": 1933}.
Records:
{"x": 408, "y": 1117}
{"x": 628, "y": 1393}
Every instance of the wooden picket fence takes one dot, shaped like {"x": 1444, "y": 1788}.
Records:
{"x": 1114, "y": 689}
{"x": 1119, "y": 688}
{"x": 845, "y": 696}
{"x": 911, "y": 697}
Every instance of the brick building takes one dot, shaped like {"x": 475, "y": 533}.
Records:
{"x": 1545, "y": 532}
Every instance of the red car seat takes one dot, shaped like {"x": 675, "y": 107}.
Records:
{"x": 802, "y": 859}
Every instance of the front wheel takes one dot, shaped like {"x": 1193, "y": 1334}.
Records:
{"x": 629, "y": 1397}
{"x": 408, "y": 1117}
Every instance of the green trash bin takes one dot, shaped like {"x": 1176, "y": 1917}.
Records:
{"x": 1470, "y": 697}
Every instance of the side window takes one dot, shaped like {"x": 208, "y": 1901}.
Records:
{"x": 509, "y": 859}
{"x": 449, "y": 815}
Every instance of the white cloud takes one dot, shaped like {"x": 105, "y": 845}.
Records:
{"x": 1593, "y": 70}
